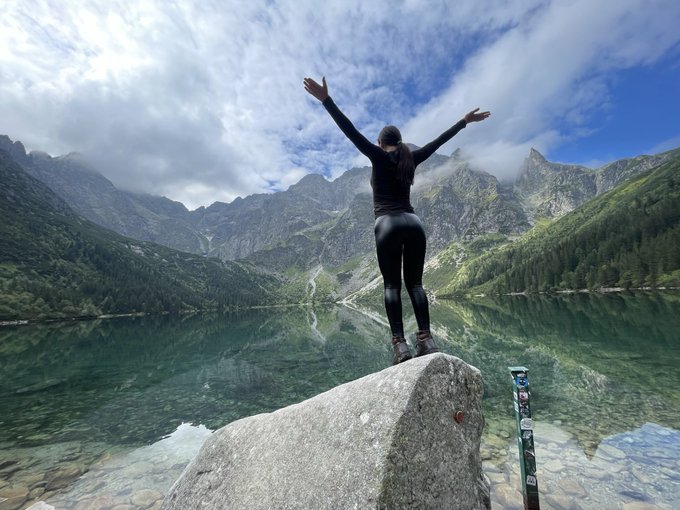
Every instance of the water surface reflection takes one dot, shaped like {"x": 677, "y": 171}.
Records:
{"x": 83, "y": 394}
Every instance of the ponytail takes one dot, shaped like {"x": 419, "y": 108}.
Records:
{"x": 406, "y": 168}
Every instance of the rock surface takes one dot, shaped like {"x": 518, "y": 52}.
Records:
{"x": 40, "y": 505}
{"x": 387, "y": 440}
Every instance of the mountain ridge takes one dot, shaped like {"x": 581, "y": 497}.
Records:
{"x": 320, "y": 231}
{"x": 627, "y": 237}
{"x": 554, "y": 189}
{"x": 55, "y": 264}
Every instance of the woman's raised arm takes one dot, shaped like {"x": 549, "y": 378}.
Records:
{"x": 420, "y": 155}
{"x": 320, "y": 92}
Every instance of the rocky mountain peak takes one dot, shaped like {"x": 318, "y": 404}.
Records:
{"x": 15, "y": 149}
{"x": 457, "y": 155}
{"x": 534, "y": 166}
{"x": 40, "y": 155}
{"x": 536, "y": 156}
{"x": 312, "y": 178}
{"x": 311, "y": 183}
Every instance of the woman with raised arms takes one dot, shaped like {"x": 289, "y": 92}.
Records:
{"x": 399, "y": 234}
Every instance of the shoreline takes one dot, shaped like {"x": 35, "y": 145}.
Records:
{"x": 104, "y": 316}
{"x": 600, "y": 290}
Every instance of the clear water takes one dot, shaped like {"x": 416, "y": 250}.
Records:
{"x": 100, "y": 413}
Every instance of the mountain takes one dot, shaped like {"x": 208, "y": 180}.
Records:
{"x": 294, "y": 220}
{"x": 94, "y": 197}
{"x": 464, "y": 203}
{"x": 53, "y": 263}
{"x": 626, "y": 237}
{"x": 553, "y": 189}
{"x": 318, "y": 234}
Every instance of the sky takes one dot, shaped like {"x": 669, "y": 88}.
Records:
{"x": 202, "y": 100}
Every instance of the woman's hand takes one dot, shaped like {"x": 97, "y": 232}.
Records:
{"x": 474, "y": 116}
{"x": 318, "y": 91}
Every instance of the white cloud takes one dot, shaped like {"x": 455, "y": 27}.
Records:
{"x": 203, "y": 100}
{"x": 545, "y": 80}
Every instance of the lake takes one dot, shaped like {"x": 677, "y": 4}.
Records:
{"x": 108, "y": 412}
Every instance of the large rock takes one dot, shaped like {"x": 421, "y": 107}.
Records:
{"x": 388, "y": 440}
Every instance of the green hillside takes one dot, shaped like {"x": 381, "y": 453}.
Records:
{"x": 627, "y": 237}
{"x": 53, "y": 263}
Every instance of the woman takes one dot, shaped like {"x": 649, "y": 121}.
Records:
{"x": 398, "y": 231}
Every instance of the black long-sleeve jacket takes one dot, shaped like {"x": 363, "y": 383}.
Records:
{"x": 390, "y": 196}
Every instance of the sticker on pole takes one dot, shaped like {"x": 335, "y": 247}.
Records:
{"x": 531, "y": 480}
{"x": 525, "y": 424}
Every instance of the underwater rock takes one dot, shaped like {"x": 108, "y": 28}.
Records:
{"x": 62, "y": 477}
{"x": 146, "y": 497}
{"x": 387, "y": 440}
{"x": 40, "y": 505}
{"x": 12, "y": 498}
{"x": 612, "y": 452}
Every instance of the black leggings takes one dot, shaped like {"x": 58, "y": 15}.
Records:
{"x": 397, "y": 235}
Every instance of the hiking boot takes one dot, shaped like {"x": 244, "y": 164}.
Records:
{"x": 425, "y": 344}
{"x": 400, "y": 349}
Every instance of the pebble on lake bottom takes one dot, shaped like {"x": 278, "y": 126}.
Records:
{"x": 568, "y": 478}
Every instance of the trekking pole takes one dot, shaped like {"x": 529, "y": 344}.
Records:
{"x": 525, "y": 437}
